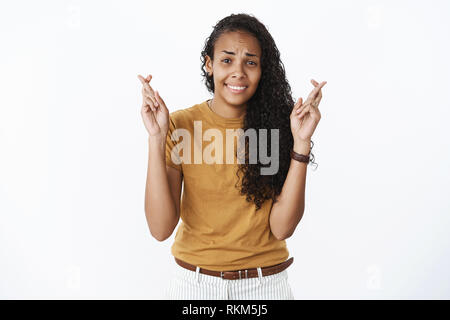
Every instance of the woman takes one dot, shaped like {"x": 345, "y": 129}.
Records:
{"x": 235, "y": 216}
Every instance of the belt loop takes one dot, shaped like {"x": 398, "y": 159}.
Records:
{"x": 197, "y": 272}
{"x": 260, "y": 275}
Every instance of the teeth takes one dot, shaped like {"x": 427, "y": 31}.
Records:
{"x": 236, "y": 88}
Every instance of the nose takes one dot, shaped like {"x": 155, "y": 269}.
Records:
{"x": 238, "y": 71}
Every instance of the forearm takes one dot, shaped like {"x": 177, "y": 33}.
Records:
{"x": 160, "y": 209}
{"x": 287, "y": 212}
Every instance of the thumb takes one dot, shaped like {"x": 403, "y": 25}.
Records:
{"x": 147, "y": 113}
{"x": 152, "y": 118}
{"x": 160, "y": 100}
{"x": 297, "y": 105}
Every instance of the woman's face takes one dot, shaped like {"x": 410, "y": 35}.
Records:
{"x": 237, "y": 64}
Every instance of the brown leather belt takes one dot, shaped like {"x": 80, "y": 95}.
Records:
{"x": 239, "y": 274}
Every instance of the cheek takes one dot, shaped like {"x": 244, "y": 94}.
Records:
{"x": 257, "y": 75}
{"x": 256, "y": 79}
{"x": 219, "y": 78}
{"x": 218, "y": 74}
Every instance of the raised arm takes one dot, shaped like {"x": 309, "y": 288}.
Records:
{"x": 163, "y": 185}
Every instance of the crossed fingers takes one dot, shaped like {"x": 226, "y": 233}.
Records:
{"x": 148, "y": 92}
{"x": 313, "y": 100}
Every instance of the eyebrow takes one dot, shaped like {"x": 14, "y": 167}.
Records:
{"x": 247, "y": 54}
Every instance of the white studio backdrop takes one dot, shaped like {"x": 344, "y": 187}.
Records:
{"x": 73, "y": 147}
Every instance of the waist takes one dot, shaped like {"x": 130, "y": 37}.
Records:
{"x": 228, "y": 253}
{"x": 239, "y": 274}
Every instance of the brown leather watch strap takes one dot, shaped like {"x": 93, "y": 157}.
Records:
{"x": 299, "y": 157}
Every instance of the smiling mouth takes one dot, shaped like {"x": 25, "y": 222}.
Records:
{"x": 236, "y": 89}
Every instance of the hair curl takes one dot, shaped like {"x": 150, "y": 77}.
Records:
{"x": 269, "y": 108}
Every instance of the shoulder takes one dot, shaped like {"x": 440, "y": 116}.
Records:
{"x": 187, "y": 115}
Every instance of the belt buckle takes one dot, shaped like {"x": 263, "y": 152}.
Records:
{"x": 239, "y": 272}
{"x": 245, "y": 275}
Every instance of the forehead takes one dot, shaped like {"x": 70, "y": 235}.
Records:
{"x": 237, "y": 41}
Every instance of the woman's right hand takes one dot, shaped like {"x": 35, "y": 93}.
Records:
{"x": 154, "y": 111}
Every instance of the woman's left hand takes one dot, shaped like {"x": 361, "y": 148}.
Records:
{"x": 306, "y": 116}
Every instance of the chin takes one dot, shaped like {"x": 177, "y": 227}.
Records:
{"x": 236, "y": 98}
{"x": 236, "y": 101}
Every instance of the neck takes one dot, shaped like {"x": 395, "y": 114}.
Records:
{"x": 225, "y": 110}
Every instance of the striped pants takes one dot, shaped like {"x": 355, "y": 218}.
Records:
{"x": 193, "y": 285}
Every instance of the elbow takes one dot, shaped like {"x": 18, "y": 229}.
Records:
{"x": 283, "y": 236}
{"x": 160, "y": 236}
{"x": 282, "y": 233}
{"x": 285, "y": 230}
{"x": 160, "y": 230}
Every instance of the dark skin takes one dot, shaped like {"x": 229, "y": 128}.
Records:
{"x": 238, "y": 66}
{"x": 235, "y": 69}
{"x": 154, "y": 111}
{"x": 243, "y": 70}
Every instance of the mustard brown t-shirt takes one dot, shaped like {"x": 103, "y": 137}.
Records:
{"x": 219, "y": 229}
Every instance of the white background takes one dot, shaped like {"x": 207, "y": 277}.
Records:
{"x": 73, "y": 147}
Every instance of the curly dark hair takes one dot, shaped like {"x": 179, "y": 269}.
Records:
{"x": 269, "y": 108}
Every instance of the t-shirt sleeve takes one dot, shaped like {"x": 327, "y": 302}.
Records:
{"x": 171, "y": 143}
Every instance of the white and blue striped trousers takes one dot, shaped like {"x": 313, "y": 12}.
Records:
{"x": 193, "y": 285}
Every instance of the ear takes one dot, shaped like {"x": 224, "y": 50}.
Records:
{"x": 208, "y": 65}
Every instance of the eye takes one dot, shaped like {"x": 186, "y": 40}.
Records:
{"x": 251, "y": 62}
